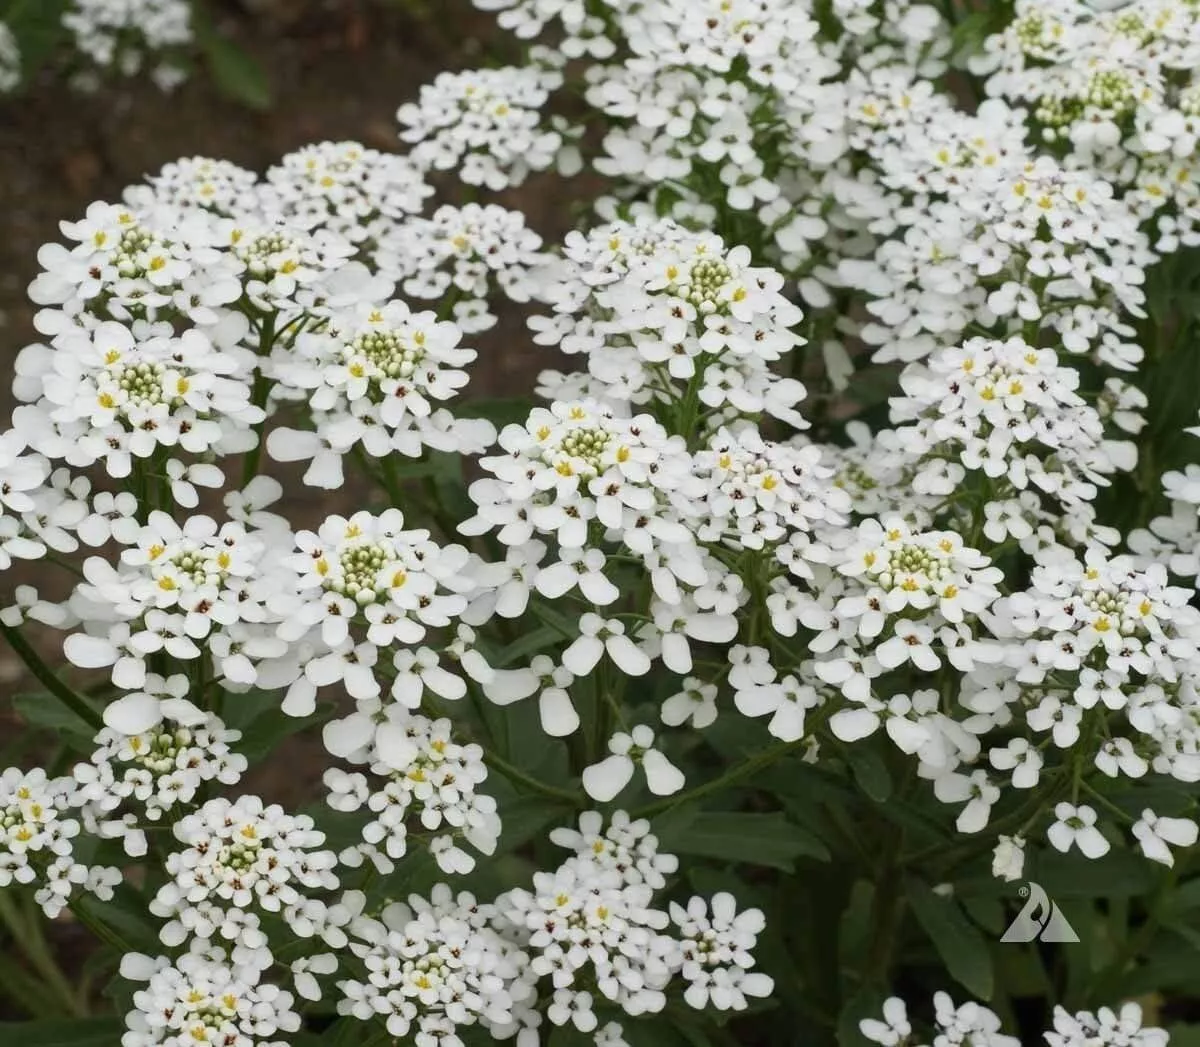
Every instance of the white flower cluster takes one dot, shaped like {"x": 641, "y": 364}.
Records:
{"x": 973, "y": 1023}
{"x": 36, "y": 841}
{"x": 359, "y": 194}
{"x": 440, "y": 964}
{"x": 591, "y": 922}
{"x": 204, "y": 998}
{"x": 483, "y": 124}
{"x": 651, "y": 306}
{"x": 433, "y": 967}
{"x": 1011, "y": 411}
{"x": 418, "y": 775}
{"x": 1116, "y": 89}
{"x": 465, "y": 254}
{"x": 241, "y": 859}
{"x": 121, "y": 34}
{"x": 374, "y": 379}
{"x": 155, "y": 761}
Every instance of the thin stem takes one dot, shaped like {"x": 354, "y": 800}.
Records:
{"x": 28, "y": 938}
{"x": 75, "y": 702}
{"x": 515, "y": 774}
{"x": 735, "y": 774}
{"x": 258, "y": 397}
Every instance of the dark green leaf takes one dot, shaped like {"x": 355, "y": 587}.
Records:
{"x": 38, "y": 28}
{"x": 263, "y": 725}
{"x": 866, "y": 1003}
{"x": 42, "y": 709}
{"x": 237, "y": 74}
{"x": 1117, "y": 874}
{"x": 121, "y": 922}
{"x": 869, "y": 771}
{"x": 1184, "y": 1035}
{"x": 85, "y": 1032}
{"x": 756, "y": 839}
{"x": 957, "y": 941}
{"x": 533, "y": 642}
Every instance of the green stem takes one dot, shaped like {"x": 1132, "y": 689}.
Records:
{"x": 28, "y": 938}
{"x": 887, "y": 907}
{"x": 258, "y": 397}
{"x": 515, "y": 774}
{"x": 75, "y": 702}
{"x": 730, "y": 777}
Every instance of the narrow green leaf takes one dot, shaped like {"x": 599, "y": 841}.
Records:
{"x": 237, "y": 74}
{"x": 866, "y": 1003}
{"x": 756, "y": 839}
{"x": 870, "y": 772}
{"x": 957, "y": 941}
{"x": 43, "y": 709}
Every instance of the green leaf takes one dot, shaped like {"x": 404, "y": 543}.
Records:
{"x": 236, "y": 73}
{"x": 957, "y": 941}
{"x": 122, "y": 922}
{"x": 263, "y": 725}
{"x": 84, "y": 1032}
{"x": 525, "y": 816}
{"x": 869, "y": 771}
{"x": 533, "y": 642}
{"x": 756, "y": 839}
{"x": 42, "y": 709}
{"x": 1184, "y": 1035}
{"x": 38, "y": 28}
{"x": 1119, "y": 874}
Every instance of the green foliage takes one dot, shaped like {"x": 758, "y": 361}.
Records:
{"x": 235, "y": 72}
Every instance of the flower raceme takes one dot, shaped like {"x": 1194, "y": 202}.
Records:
{"x": 668, "y": 570}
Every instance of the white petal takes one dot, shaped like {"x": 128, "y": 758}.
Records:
{"x": 852, "y": 724}
{"x": 583, "y": 655}
{"x": 559, "y": 717}
{"x": 663, "y": 777}
{"x": 395, "y": 747}
{"x": 133, "y": 714}
{"x": 345, "y": 737}
{"x": 630, "y": 658}
{"x": 602, "y": 781}
{"x": 89, "y": 652}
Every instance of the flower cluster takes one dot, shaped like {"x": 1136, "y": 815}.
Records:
{"x": 973, "y": 1023}
{"x": 417, "y": 771}
{"x": 122, "y": 34}
{"x": 485, "y": 125}
{"x": 37, "y": 841}
{"x": 239, "y": 860}
{"x": 856, "y": 466}
{"x": 155, "y": 761}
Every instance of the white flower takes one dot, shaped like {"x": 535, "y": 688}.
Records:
{"x": 204, "y": 997}
{"x": 1154, "y": 833}
{"x": 1076, "y": 826}
{"x": 602, "y": 781}
{"x": 239, "y": 855}
{"x": 1008, "y": 858}
{"x": 596, "y": 636}
{"x": 697, "y": 702}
